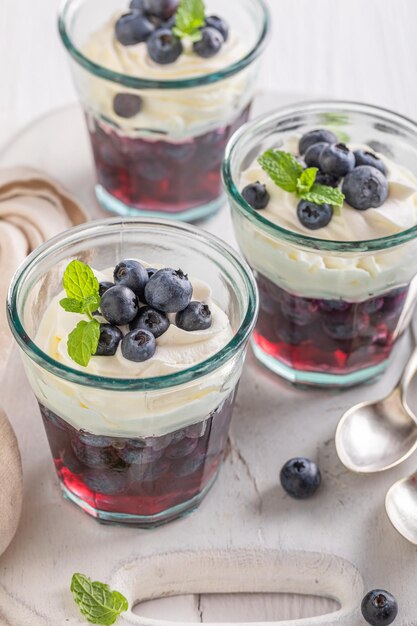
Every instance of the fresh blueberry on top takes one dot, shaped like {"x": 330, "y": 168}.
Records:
{"x": 138, "y": 346}
{"x": 336, "y": 159}
{"x": 316, "y": 136}
{"x": 364, "y": 157}
{"x": 133, "y": 275}
{"x": 127, "y": 105}
{"x": 197, "y": 316}
{"x": 314, "y": 216}
{"x": 210, "y": 43}
{"x": 365, "y": 188}
{"x": 219, "y": 24}
{"x": 312, "y": 155}
{"x": 300, "y": 478}
{"x": 164, "y": 47}
{"x": 133, "y": 28}
{"x": 379, "y": 608}
{"x": 256, "y": 195}
{"x": 119, "y": 305}
{"x": 169, "y": 291}
{"x": 164, "y": 9}
{"x": 110, "y": 337}
{"x": 152, "y": 320}
{"x": 328, "y": 179}
{"x": 137, "y": 5}
{"x": 103, "y": 287}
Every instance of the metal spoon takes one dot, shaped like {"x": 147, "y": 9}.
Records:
{"x": 373, "y": 437}
{"x": 401, "y": 507}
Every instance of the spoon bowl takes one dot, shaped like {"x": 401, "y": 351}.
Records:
{"x": 401, "y": 507}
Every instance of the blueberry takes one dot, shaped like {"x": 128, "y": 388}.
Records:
{"x": 300, "y": 478}
{"x": 219, "y": 24}
{"x": 294, "y": 335}
{"x": 149, "y": 472}
{"x": 210, "y": 43}
{"x": 138, "y": 346}
{"x": 164, "y": 9}
{"x": 127, "y": 105}
{"x": 107, "y": 482}
{"x": 331, "y": 306}
{"x": 373, "y": 305}
{"x": 342, "y": 327}
{"x": 119, "y": 305}
{"x": 110, "y": 337}
{"x": 312, "y": 155}
{"x": 164, "y": 47}
{"x": 93, "y": 457}
{"x": 298, "y": 310}
{"x": 314, "y": 216}
{"x": 133, "y": 28}
{"x": 151, "y": 271}
{"x": 181, "y": 449}
{"x": 379, "y": 608}
{"x": 365, "y": 188}
{"x": 328, "y": 179}
{"x": 189, "y": 466}
{"x": 135, "y": 456}
{"x": 256, "y": 196}
{"x": 197, "y": 316}
{"x": 169, "y": 291}
{"x": 133, "y": 275}
{"x": 95, "y": 441}
{"x": 316, "y": 136}
{"x": 336, "y": 159}
{"x": 179, "y": 152}
{"x": 152, "y": 320}
{"x": 362, "y": 157}
{"x": 103, "y": 287}
{"x": 137, "y": 5}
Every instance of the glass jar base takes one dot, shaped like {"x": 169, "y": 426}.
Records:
{"x": 194, "y": 214}
{"x": 145, "y": 522}
{"x": 317, "y": 379}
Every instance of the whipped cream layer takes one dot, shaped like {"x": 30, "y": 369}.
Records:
{"x": 352, "y": 276}
{"x": 176, "y": 112}
{"x": 127, "y": 413}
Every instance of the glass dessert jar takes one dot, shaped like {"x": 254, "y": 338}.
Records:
{"x": 331, "y": 311}
{"x": 139, "y": 451}
{"x": 161, "y": 157}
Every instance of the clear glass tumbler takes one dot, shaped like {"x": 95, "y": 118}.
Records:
{"x": 330, "y": 311}
{"x": 166, "y": 160}
{"x": 135, "y": 451}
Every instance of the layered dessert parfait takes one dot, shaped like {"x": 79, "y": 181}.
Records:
{"x": 179, "y": 80}
{"x": 327, "y": 220}
{"x": 143, "y": 443}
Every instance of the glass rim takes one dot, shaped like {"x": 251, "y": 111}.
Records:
{"x": 155, "y": 383}
{"x": 134, "y": 82}
{"x": 262, "y": 123}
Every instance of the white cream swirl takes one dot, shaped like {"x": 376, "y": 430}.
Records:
{"x": 353, "y": 276}
{"x": 176, "y": 112}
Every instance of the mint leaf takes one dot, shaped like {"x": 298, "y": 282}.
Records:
{"x": 190, "y": 18}
{"x": 71, "y": 305}
{"x": 79, "y": 281}
{"x": 91, "y": 303}
{"x": 282, "y": 168}
{"x": 83, "y": 341}
{"x": 96, "y": 601}
{"x": 306, "y": 180}
{"x": 321, "y": 194}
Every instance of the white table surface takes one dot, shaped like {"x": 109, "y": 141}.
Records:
{"x": 359, "y": 50}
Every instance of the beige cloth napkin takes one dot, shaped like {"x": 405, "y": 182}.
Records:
{"x": 33, "y": 208}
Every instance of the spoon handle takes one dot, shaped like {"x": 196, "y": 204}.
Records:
{"x": 409, "y": 372}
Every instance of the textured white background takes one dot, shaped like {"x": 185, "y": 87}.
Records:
{"x": 352, "y": 49}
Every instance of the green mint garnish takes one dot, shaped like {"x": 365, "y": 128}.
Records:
{"x": 286, "y": 172}
{"x": 82, "y": 289}
{"x": 190, "y": 18}
{"x": 96, "y": 601}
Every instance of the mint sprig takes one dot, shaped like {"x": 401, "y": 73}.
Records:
{"x": 190, "y": 18}
{"x": 288, "y": 174}
{"x": 96, "y": 601}
{"x": 83, "y": 297}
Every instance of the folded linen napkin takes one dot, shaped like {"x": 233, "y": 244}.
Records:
{"x": 33, "y": 208}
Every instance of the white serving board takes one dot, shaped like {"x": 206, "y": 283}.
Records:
{"x": 248, "y": 536}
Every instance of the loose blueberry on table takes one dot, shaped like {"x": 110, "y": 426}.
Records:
{"x": 300, "y": 478}
{"x": 379, "y": 608}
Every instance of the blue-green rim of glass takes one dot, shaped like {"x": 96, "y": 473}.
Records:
{"x": 264, "y": 125}
{"x": 175, "y": 379}
{"x": 141, "y": 83}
